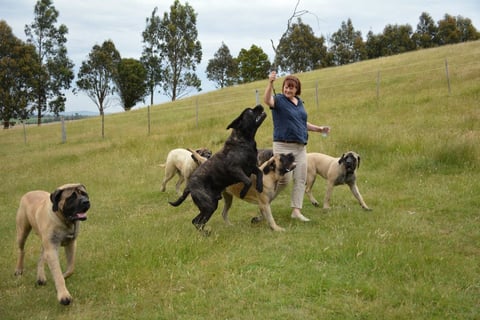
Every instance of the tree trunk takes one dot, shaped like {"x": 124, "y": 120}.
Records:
{"x": 39, "y": 116}
{"x": 103, "y": 123}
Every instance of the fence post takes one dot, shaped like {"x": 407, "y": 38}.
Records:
{"x": 64, "y": 133}
{"x": 378, "y": 84}
{"x": 24, "y": 132}
{"x": 148, "y": 117}
{"x": 448, "y": 77}
{"x": 256, "y": 97}
{"x": 316, "y": 95}
{"x": 196, "y": 110}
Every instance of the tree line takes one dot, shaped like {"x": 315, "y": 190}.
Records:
{"x": 299, "y": 50}
{"x": 35, "y": 74}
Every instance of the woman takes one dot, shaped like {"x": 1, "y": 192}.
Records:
{"x": 290, "y": 134}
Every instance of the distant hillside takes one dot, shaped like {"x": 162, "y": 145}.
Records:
{"x": 80, "y": 113}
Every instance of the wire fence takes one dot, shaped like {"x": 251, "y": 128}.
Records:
{"x": 381, "y": 82}
{"x": 378, "y": 83}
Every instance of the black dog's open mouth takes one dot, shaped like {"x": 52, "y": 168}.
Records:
{"x": 260, "y": 118}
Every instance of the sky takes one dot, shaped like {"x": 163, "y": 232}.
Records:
{"x": 237, "y": 23}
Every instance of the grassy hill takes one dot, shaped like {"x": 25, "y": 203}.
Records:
{"x": 415, "y": 256}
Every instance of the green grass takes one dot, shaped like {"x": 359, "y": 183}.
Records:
{"x": 415, "y": 256}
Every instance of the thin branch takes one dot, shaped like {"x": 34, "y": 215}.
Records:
{"x": 295, "y": 14}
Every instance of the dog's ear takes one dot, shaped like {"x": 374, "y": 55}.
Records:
{"x": 358, "y": 161}
{"x": 291, "y": 157}
{"x": 195, "y": 159}
{"x": 267, "y": 166}
{"x": 235, "y": 122}
{"x": 198, "y": 159}
{"x": 55, "y": 198}
{"x": 270, "y": 167}
{"x": 342, "y": 159}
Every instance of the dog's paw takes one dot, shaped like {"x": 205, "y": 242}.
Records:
{"x": 41, "y": 282}
{"x": 259, "y": 186}
{"x": 205, "y": 231}
{"x": 18, "y": 272}
{"x": 65, "y": 300}
{"x": 256, "y": 219}
{"x": 316, "y": 204}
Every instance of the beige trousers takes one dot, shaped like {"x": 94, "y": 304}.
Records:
{"x": 299, "y": 174}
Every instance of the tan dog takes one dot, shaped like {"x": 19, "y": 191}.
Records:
{"x": 273, "y": 169}
{"x": 337, "y": 171}
{"x": 179, "y": 161}
{"x": 55, "y": 218}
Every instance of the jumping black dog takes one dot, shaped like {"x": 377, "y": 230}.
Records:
{"x": 234, "y": 163}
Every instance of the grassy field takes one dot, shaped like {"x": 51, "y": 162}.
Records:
{"x": 415, "y": 256}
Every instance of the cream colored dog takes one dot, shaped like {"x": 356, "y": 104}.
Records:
{"x": 55, "y": 217}
{"x": 336, "y": 171}
{"x": 179, "y": 161}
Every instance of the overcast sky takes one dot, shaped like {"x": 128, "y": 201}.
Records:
{"x": 238, "y": 23}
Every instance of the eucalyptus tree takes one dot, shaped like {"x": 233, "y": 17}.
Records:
{"x": 347, "y": 44}
{"x": 97, "y": 76}
{"x": 181, "y": 51}
{"x": 453, "y": 30}
{"x": 56, "y": 72}
{"x": 18, "y": 69}
{"x": 426, "y": 33}
{"x": 299, "y": 50}
{"x": 253, "y": 64}
{"x": 397, "y": 39}
{"x": 223, "y": 68}
{"x": 152, "y": 54}
{"x": 131, "y": 82}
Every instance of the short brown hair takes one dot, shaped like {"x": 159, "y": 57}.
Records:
{"x": 295, "y": 80}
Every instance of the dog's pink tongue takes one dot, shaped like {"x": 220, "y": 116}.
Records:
{"x": 81, "y": 215}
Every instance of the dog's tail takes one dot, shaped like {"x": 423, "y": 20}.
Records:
{"x": 182, "y": 198}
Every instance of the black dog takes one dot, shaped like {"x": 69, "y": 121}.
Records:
{"x": 234, "y": 163}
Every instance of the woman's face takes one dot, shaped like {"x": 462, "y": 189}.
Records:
{"x": 290, "y": 89}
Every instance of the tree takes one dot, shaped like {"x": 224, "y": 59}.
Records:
{"x": 152, "y": 57}
{"x": 448, "y": 32}
{"x": 347, "y": 45}
{"x": 467, "y": 30}
{"x": 181, "y": 49}
{"x": 455, "y": 29}
{"x": 300, "y": 50}
{"x": 57, "y": 70}
{"x": 131, "y": 82}
{"x": 253, "y": 64}
{"x": 97, "y": 74}
{"x": 397, "y": 39}
{"x": 223, "y": 68}
{"x": 424, "y": 36}
{"x": 18, "y": 68}
{"x": 374, "y": 45}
